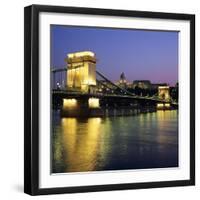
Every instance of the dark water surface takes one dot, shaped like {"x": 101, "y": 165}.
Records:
{"x": 114, "y": 143}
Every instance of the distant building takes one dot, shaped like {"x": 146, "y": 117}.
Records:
{"x": 122, "y": 82}
{"x": 122, "y": 78}
{"x": 143, "y": 84}
{"x": 104, "y": 85}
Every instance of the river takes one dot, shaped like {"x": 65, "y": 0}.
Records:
{"x": 148, "y": 140}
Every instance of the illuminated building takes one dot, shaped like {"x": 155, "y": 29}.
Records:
{"x": 122, "y": 81}
{"x": 81, "y": 71}
{"x": 122, "y": 78}
{"x": 143, "y": 84}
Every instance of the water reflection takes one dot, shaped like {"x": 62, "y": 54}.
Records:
{"x": 81, "y": 143}
{"x": 144, "y": 141}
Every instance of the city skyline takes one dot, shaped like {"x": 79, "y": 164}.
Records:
{"x": 140, "y": 54}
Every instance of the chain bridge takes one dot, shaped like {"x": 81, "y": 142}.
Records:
{"x": 78, "y": 88}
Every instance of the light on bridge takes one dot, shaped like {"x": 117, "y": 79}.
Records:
{"x": 69, "y": 103}
{"x": 163, "y": 105}
{"x": 89, "y": 82}
{"x": 167, "y": 105}
{"x": 81, "y": 54}
{"x": 160, "y": 105}
{"x": 93, "y": 102}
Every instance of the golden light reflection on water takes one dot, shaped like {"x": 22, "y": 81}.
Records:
{"x": 165, "y": 123}
{"x": 69, "y": 126}
{"x": 81, "y": 149}
{"x": 99, "y": 143}
{"x": 157, "y": 128}
{"x": 58, "y": 149}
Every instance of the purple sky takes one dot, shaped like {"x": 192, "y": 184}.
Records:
{"x": 140, "y": 54}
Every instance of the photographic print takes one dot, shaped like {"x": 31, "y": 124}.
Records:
{"x": 114, "y": 99}
{"x": 109, "y": 99}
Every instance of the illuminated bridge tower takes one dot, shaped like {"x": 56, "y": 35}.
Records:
{"x": 163, "y": 94}
{"x": 81, "y": 71}
{"x": 81, "y": 78}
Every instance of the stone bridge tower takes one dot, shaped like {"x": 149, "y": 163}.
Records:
{"x": 163, "y": 93}
{"x": 81, "y": 71}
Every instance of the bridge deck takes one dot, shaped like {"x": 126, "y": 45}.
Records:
{"x": 75, "y": 94}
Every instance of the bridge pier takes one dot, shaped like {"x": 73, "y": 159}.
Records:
{"x": 95, "y": 107}
{"x": 164, "y": 106}
{"x": 81, "y": 107}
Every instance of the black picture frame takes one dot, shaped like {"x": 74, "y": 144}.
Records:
{"x": 31, "y": 98}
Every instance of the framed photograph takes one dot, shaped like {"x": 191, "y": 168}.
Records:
{"x": 109, "y": 100}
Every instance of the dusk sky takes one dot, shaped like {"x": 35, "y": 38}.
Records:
{"x": 140, "y": 54}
